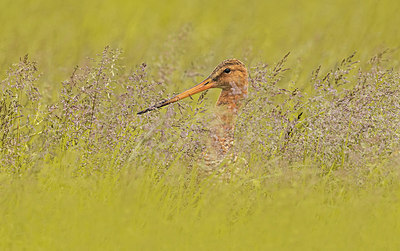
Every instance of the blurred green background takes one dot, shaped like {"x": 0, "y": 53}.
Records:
{"x": 61, "y": 34}
{"x": 53, "y": 207}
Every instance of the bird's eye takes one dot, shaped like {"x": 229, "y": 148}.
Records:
{"x": 227, "y": 70}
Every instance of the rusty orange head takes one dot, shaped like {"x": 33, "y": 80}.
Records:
{"x": 230, "y": 76}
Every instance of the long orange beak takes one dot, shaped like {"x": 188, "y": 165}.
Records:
{"x": 206, "y": 84}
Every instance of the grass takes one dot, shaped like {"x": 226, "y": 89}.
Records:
{"x": 58, "y": 211}
{"x": 316, "y": 142}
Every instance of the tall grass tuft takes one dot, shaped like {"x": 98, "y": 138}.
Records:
{"x": 20, "y": 113}
{"x": 349, "y": 120}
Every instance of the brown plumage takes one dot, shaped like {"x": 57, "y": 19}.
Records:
{"x": 231, "y": 76}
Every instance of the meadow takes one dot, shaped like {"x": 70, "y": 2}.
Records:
{"x": 316, "y": 144}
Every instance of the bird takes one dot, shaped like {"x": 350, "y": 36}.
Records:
{"x": 231, "y": 76}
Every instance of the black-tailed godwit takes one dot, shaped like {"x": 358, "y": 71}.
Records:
{"x": 231, "y": 76}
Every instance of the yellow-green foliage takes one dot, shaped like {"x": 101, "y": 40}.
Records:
{"x": 80, "y": 171}
{"x": 59, "y": 35}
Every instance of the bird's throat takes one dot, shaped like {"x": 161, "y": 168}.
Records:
{"x": 228, "y": 106}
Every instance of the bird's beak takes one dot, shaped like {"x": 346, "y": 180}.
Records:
{"x": 205, "y": 85}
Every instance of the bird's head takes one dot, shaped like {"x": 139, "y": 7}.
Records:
{"x": 230, "y": 75}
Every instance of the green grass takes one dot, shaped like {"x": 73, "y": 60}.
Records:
{"x": 55, "y": 210}
{"x": 110, "y": 181}
{"x": 60, "y": 35}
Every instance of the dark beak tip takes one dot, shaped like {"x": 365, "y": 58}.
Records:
{"x": 144, "y": 111}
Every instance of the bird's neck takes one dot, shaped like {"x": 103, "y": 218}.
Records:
{"x": 228, "y": 106}
{"x": 231, "y": 99}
